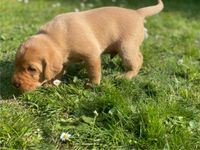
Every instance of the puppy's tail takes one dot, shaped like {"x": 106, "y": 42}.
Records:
{"x": 151, "y": 10}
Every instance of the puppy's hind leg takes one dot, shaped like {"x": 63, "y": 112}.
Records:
{"x": 132, "y": 59}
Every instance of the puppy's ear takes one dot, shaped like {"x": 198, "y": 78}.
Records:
{"x": 53, "y": 66}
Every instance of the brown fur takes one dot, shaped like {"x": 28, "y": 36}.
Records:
{"x": 82, "y": 36}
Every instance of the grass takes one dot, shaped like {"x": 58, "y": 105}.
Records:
{"x": 158, "y": 109}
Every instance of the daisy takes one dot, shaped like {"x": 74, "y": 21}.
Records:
{"x": 65, "y": 136}
{"x": 56, "y": 82}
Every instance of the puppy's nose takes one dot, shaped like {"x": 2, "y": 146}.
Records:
{"x": 16, "y": 84}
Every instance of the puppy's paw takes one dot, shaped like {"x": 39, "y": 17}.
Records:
{"x": 121, "y": 76}
{"x": 124, "y": 76}
{"x": 47, "y": 84}
{"x": 88, "y": 85}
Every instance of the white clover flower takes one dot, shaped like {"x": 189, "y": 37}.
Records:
{"x": 90, "y": 5}
{"x": 180, "y": 61}
{"x": 38, "y": 133}
{"x": 95, "y": 113}
{"x": 110, "y": 112}
{"x": 76, "y": 10}
{"x": 26, "y": 1}
{"x": 65, "y": 136}
{"x": 56, "y": 5}
{"x": 82, "y": 5}
{"x": 56, "y": 82}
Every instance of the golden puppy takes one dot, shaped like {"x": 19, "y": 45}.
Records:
{"x": 82, "y": 36}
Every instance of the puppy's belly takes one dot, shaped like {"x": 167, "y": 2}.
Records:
{"x": 75, "y": 60}
{"x": 112, "y": 49}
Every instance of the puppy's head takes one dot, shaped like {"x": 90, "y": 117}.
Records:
{"x": 37, "y": 61}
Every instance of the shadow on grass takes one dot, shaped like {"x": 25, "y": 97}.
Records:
{"x": 7, "y": 91}
{"x": 189, "y": 9}
{"x": 108, "y": 66}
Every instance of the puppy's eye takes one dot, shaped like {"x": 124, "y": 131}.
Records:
{"x": 31, "y": 69}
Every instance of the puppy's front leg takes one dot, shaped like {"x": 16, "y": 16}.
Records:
{"x": 93, "y": 65}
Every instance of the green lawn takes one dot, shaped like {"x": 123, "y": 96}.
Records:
{"x": 158, "y": 109}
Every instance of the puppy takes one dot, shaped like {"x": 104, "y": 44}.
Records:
{"x": 82, "y": 36}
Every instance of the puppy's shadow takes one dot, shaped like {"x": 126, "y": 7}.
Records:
{"x": 74, "y": 70}
{"x": 108, "y": 66}
{"x": 7, "y": 91}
